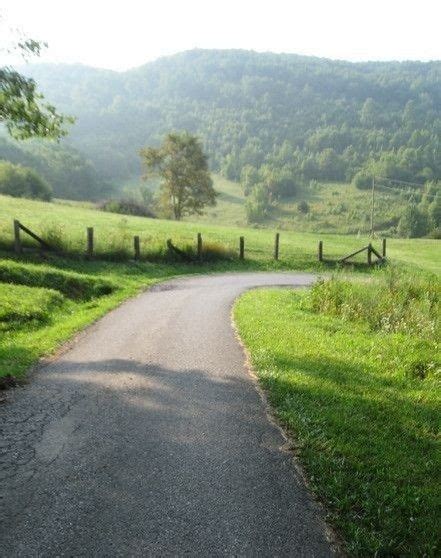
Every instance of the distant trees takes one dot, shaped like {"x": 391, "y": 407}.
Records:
{"x": 413, "y": 222}
{"x": 67, "y": 171}
{"x": 182, "y": 168}
{"x": 22, "y": 182}
{"x": 422, "y": 215}
{"x": 257, "y": 205}
{"x": 434, "y": 214}
{"x": 257, "y": 110}
{"x": 268, "y": 119}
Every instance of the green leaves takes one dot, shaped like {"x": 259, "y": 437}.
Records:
{"x": 23, "y": 111}
{"x": 186, "y": 185}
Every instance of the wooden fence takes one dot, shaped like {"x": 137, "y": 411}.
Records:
{"x": 373, "y": 256}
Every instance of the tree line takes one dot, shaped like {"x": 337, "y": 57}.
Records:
{"x": 312, "y": 118}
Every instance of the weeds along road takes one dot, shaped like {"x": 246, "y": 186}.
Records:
{"x": 148, "y": 437}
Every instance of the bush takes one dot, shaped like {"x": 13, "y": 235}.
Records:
{"x": 303, "y": 207}
{"x": 211, "y": 252}
{"x": 258, "y": 204}
{"x": 127, "y": 206}
{"x": 22, "y": 182}
{"x": 362, "y": 180}
{"x": 413, "y": 223}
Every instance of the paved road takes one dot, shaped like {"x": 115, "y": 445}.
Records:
{"x": 148, "y": 438}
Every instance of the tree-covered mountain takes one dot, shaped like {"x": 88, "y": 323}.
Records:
{"x": 297, "y": 117}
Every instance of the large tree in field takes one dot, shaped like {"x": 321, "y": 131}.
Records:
{"x": 22, "y": 109}
{"x": 185, "y": 182}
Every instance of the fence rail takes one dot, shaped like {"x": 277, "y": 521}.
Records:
{"x": 373, "y": 256}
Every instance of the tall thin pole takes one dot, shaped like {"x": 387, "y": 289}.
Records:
{"x": 373, "y": 206}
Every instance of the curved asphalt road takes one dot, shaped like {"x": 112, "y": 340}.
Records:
{"x": 148, "y": 437}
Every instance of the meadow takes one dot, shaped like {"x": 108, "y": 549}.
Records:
{"x": 333, "y": 207}
{"x": 64, "y": 227}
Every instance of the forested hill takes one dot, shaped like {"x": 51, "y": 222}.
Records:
{"x": 305, "y": 117}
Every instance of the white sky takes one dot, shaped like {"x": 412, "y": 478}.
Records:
{"x": 128, "y": 33}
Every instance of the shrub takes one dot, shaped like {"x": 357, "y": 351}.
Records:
{"x": 303, "y": 207}
{"x": 127, "y": 206}
{"x": 211, "y": 252}
{"x": 413, "y": 222}
{"x": 362, "y": 180}
{"x": 214, "y": 251}
{"x": 258, "y": 204}
{"x": 22, "y": 182}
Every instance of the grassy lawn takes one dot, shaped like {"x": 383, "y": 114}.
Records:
{"x": 352, "y": 369}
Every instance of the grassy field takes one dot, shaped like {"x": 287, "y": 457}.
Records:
{"x": 352, "y": 369}
{"x": 338, "y": 208}
{"x": 65, "y": 226}
{"x": 333, "y": 207}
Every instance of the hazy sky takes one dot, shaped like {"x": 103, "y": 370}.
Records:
{"x": 126, "y": 33}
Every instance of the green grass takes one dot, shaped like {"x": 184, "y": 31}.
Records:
{"x": 230, "y": 207}
{"x": 92, "y": 288}
{"x": 338, "y": 208}
{"x": 43, "y": 304}
{"x": 65, "y": 226}
{"x": 21, "y": 306}
{"x": 360, "y": 401}
{"x": 334, "y": 207}
{"x": 361, "y": 398}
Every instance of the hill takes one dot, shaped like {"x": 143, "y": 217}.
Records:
{"x": 307, "y": 118}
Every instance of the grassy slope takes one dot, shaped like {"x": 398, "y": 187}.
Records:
{"x": 366, "y": 430}
{"x": 35, "y": 320}
{"x": 114, "y": 234}
{"x": 334, "y": 207}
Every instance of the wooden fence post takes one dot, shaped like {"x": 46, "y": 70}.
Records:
{"x": 136, "y": 247}
{"x": 199, "y": 247}
{"x": 241, "y": 247}
{"x": 320, "y": 251}
{"x": 369, "y": 254}
{"x": 384, "y": 248}
{"x": 89, "y": 242}
{"x": 276, "y": 246}
{"x": 17, "y": 239}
